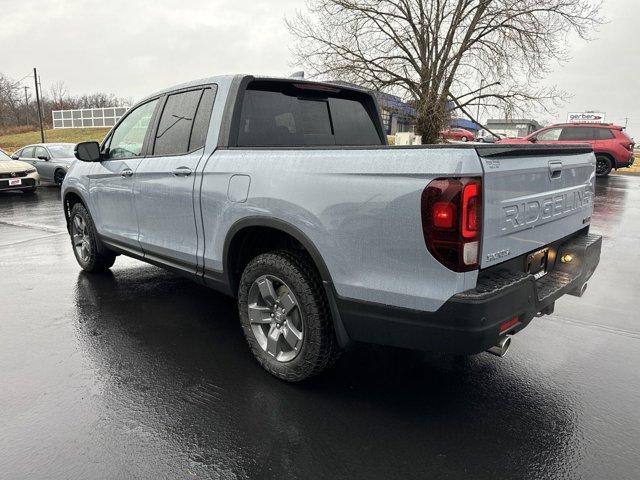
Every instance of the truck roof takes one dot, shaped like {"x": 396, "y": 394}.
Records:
{"x": 226, "y": 80}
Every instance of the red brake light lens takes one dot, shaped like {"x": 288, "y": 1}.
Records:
{"x": 443, "y": 215}
{"x": 452, "y": 221}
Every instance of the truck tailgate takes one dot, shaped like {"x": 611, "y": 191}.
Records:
{"x": 533, "y": 195}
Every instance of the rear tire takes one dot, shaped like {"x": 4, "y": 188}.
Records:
{"x": 58, "y": 177}
{"x": 603, "y": 166}
{"x": 84, "y": 241}
{"x": 293, "y": 286}
{"x": 464, "y": 139}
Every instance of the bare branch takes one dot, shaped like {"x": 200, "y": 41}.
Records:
{"x": 480, "y": 52}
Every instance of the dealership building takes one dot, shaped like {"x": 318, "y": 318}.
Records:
{"x": 520, "y": 127}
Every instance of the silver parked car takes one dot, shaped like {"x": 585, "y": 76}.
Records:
{"x": 52, "y": 160}
{"x": 484, "y": 136}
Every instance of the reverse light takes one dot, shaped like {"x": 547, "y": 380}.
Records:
{"x": 452, "y": 221}
{"x": 567, "y": 258}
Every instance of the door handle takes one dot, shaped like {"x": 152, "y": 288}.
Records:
{"x": 182, "y": 172}
{"x": 555, "y": 169}
{"x": 127, "y": 172}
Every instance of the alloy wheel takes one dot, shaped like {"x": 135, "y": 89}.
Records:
{"x": 601, "y": 166}
{"x": 80, "y": 238}
{"x": 275, "y": 318}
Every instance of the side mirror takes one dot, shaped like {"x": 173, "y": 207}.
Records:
{"x": 43, "y": 157}
{"x": 87, "y": 151}
{"x": 15, "y": 157}
{"x": 533, "y": 139}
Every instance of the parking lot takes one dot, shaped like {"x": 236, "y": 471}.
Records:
{"x": 141, "y": 373}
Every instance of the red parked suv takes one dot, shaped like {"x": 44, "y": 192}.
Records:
{"x": 612, "y": 146}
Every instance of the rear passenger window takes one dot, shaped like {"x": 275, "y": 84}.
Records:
{"x": 283, "y": 115}
{"x": 176, "y": 122}
{"x": 201, "y": 122}
{"x": 352, "y": 123}
{"x": 603, "y": 134}
{"x": 577, "y": 133}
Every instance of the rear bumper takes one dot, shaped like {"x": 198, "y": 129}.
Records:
{"x": 470, "y": 322}
{"x": 627, "y": 163}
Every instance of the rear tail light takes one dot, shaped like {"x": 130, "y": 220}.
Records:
{"x": 452, "y": 221}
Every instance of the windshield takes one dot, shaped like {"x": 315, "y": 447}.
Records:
{"x": 61, "y": 151}
{"x": 4, "y": 156}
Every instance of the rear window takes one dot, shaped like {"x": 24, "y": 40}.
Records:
{"x": 280, "y": 114}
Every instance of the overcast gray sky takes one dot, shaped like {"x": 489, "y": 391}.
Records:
{"x": 133, "y": 47}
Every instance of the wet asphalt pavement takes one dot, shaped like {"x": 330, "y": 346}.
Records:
{"x": 142, "y": 374}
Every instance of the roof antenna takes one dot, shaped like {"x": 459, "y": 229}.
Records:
{"x": 298, "y": 74}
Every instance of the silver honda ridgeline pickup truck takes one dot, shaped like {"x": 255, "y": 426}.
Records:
{"x": 284, "y": 194}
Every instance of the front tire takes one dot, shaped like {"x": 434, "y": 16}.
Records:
{"x": 603, "y": 166}
{"x": 285, "y": 316}
{"x": 464, "y": 139}
{"x": 84, "y": 240}
{"x": 58, "y": 177}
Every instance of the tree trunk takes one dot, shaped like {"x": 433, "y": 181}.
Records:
{"x": 430, "y": 120}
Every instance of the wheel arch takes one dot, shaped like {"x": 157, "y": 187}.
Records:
{"x": 233, "y": 259}
{"x": 240, "y": 229}
{"x": 71, "y": 197}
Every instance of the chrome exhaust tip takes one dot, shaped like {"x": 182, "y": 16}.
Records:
{"x": 578, "y": 292}
{"x": 501, "y": 348}
{"x": 583, "y": 288}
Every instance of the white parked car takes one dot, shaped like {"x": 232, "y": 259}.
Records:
{"x": 16, "y": 175}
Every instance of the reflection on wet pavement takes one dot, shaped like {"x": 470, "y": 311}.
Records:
{"x": 142, "y": 374}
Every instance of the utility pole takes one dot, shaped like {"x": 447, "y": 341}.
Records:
{"x": 626, "y": 122}
{"x": 35, "y": 76}
{"x": 26, "y": 106}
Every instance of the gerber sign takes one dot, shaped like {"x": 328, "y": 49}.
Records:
{"x": 586, "y": 117}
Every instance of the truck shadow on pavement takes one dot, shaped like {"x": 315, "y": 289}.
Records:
{"x": 170, "y": 354}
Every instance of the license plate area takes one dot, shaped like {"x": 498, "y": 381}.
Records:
{"x": 15, "y": 181}
{"x": 536, "y": 263}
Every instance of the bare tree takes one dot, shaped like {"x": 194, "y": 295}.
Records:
{"x": 465, "y": 53}
{"x": 11, "y": 107}
{"x": 59, "y": 95}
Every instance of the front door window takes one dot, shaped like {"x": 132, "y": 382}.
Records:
{"x": 128, "y": 138}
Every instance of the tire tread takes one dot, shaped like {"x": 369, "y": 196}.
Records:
{"x": 318, "y": 322}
